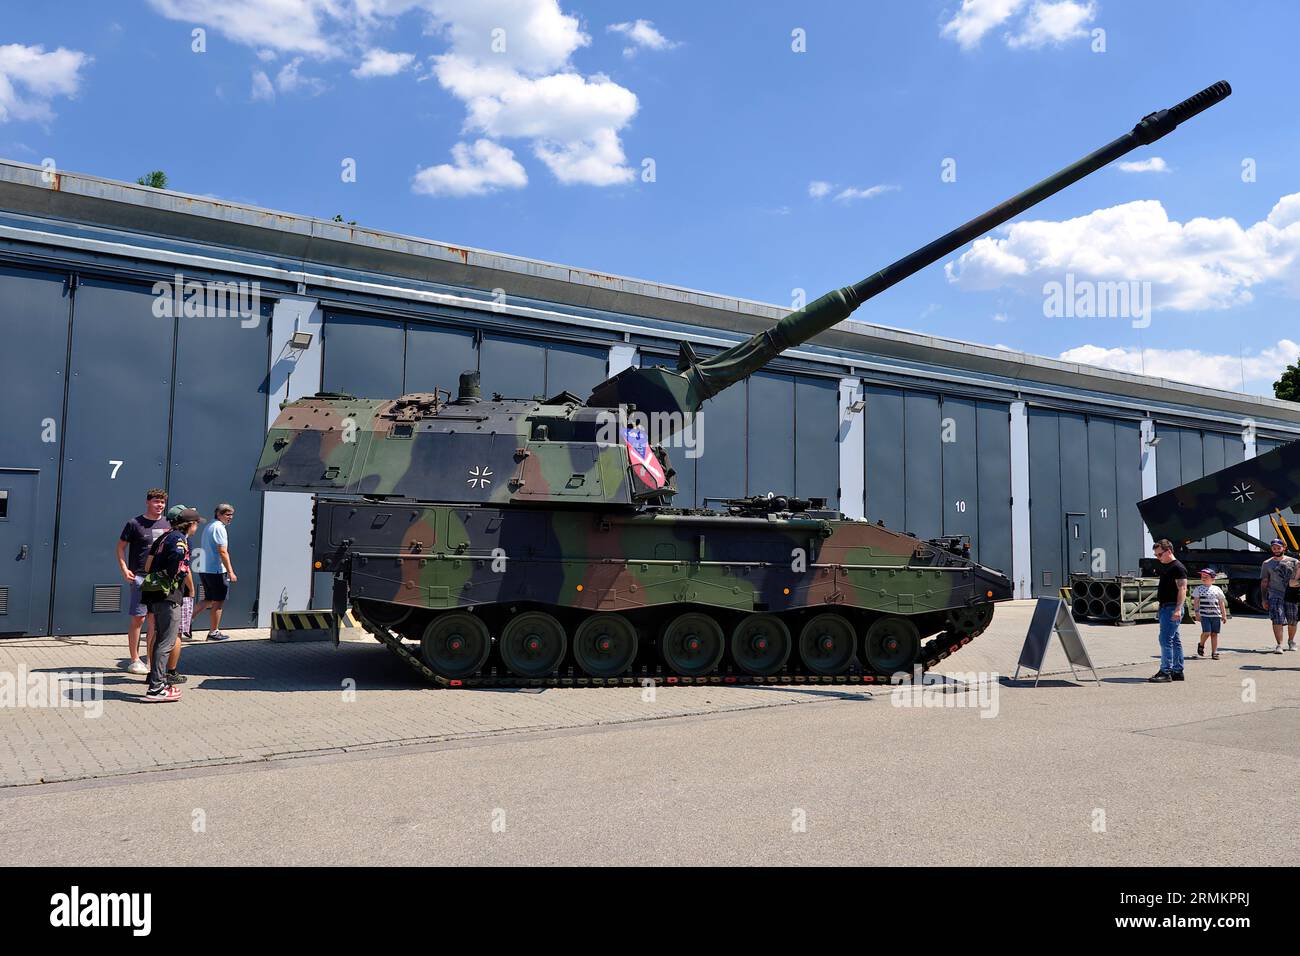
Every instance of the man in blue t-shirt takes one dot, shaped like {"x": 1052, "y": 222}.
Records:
{"x": 215, "y": 570}
{"x": 132, "y": 547}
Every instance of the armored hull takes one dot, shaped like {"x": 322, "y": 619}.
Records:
{"x": 481, "y": 593}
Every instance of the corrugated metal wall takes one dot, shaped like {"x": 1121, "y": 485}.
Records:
{"x": 1089, "y": 466}
{"x": 150, "y": 401}
{"x": 940, "y": 465}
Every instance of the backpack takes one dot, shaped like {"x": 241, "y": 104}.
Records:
{"x": 158, "y": 586}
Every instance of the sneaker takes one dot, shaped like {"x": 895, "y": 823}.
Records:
{"x": 218, "y": 636}
{"x": 1176, "y": 675}
{"x": 1277, "y": 649}
{"x": 1160, "y": 677}
{"x": 137, "y": 667}
{"x": 175, "y": 678}
{"x": 1290, "y": 645}
{"x": 166, "y": 695}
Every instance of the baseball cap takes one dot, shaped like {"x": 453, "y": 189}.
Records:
{"x": 180, "y": 514}
{"x": 1210, "y": 571}
{"x": 1277, "y": 541}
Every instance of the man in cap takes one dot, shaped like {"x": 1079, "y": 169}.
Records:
{"x": 1279, "y": 577}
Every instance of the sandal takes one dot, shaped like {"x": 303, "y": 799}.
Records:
{"x": 1200, "y": 650}
{"x": 1214, "y": 656}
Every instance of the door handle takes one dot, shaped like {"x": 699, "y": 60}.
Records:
{"x": 22, "y": 553}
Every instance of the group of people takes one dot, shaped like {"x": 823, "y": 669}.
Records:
{"x": 156, "y": 559}
{"x": 1279, "y": 584}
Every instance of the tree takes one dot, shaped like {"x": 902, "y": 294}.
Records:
{"x": 154, "y": 180}
{"x": 1287, "y": 387}
{"x": 339, "y": 218}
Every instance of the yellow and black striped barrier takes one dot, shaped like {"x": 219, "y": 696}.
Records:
{"x": 295, "y": 626}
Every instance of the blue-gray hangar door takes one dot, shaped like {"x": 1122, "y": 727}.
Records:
{"x": 940, "y": 465}
{"x": 1085, "y": 480}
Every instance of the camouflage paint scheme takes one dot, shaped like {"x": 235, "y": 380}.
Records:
{"x": 442, "y": 556}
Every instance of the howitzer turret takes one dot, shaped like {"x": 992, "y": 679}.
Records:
{"x": 534, "y": 541}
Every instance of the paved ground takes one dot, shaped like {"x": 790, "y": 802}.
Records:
{"x": 265, "y": 762}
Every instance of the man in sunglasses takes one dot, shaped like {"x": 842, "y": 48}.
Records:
{"x": 1171, "y": 595}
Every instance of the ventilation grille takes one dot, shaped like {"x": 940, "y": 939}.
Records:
{"x": 1047, "y": 579}
{"x": 4, "y": 600}
{"x": 107, "y": 600}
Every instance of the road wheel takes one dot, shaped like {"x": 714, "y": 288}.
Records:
{"x": 533, "y": 644}
{"x": 455, "y": 645}
{"x": 826, "y": 644}
{"x": 692, "y": 644}
{"x": 605, "y": 644}
{"x": 891, "y": 644}
{"x": 760, "y": 644}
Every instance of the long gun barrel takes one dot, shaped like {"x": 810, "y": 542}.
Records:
{"x": 694, "y": 382}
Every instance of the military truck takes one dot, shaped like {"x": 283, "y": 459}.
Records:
{"x": 535, "y": 542}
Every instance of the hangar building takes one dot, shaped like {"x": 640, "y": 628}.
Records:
{"x": 111, "y": 386}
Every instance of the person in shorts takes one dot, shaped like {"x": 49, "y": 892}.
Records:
{"x": 1210, "y": 608}
{"x": 170, "y": 558}
{"x": 1279, "y": 577}
{"x": 132, "y": 546}
{"x": 215, "y": 570}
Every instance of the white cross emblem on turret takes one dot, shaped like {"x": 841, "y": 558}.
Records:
{"x": 480, "y": 477}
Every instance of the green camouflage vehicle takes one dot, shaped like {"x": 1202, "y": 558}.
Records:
{"x": 531, "y": 542}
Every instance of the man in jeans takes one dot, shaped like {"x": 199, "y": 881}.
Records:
{"x": 1276, "y": 575}
{"x": 132, "y": 547}
{"x": 1171, "y": 595}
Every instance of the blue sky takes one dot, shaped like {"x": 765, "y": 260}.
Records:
{"x": 774, "y": 170}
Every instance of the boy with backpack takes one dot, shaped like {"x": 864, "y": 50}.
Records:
{"x": 167, "y": 579}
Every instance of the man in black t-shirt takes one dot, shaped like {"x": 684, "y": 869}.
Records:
{"x": 1171, "y": 595}
{"x": 132, "y": 547}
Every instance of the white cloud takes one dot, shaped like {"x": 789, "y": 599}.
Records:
{"x": 30, "y": 78}
{"x": 643, "y": 35}
{"x": 289, "y": 80}
{"x": 1153, "y": 165}
{"x": 817, "y": 189}
{"x": 293, "y": 26}
{"x": 529, "y": 89}
{"x": 976, "y": 18}
{"x": 852, "y": 193}
{"x": 482, "y": 168}
{"x": 262, "y": 88}
{"x": 1189, "y": 365}
{"x": 1001, "y": 317}
{"x": 379, "y": 62}
{"x": 1046, "y": 22}
{"x": 1052, "y": 23}
{"x": 508, "y": 61}
{"x": 1199, "y": 264}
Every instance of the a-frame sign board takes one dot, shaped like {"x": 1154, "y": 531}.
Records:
{"x": 1053, "y": 615}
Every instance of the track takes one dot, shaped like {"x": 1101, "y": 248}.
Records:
{"x": 939, "y": 647}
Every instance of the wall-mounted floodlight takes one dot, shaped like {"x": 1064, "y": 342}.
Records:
{"x": 857, "y": 406}
{"x": 300, "y": 340}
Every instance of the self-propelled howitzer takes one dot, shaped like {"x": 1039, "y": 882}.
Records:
{"x": 535, "y": 541}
